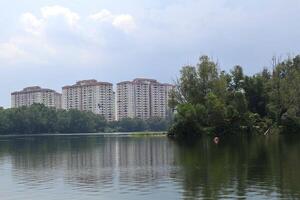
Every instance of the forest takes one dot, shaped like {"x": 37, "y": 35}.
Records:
{"x": 40, "y": 119}
{"x": 207, "y": 100}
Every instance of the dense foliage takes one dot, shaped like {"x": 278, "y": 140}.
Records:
{"x": 210, "y": 101}
{"x": 41, "y": 119}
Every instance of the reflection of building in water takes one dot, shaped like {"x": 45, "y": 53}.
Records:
{"x": 121, "y": 160}
{"x": 93, "y": 166}
{"x": 94, "y": 161}
{"x": 145, "y": 153}
{"x": 145, "y": 161}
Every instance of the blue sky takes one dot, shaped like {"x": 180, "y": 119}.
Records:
{"x": 53, "y": 43}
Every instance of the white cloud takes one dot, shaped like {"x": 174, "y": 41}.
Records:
{"x": 19, "y": 51}
{"x": 102, "y": 16}
{"x": 34, "y": 25}
{"x": 53, "y": 36}
{"x": 123, "y": 22}
{"x": 52, "y": 11}
{"x": 10, "y": 52}
{"x": 31, "y": 23}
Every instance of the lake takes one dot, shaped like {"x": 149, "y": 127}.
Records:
{"x": 89, "y": 167}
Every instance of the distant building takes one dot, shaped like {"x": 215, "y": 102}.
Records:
{"x": 90, "y": 95}
{"x": 125, "y": 100}
{"x": 142, "y": 98}
{"x": 36, "y": 94}
{"x": 159, "y": 99}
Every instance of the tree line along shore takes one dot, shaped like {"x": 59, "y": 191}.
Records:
{"x": 38, "y": 118}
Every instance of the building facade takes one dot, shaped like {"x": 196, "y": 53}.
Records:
{"x": 90, "y": 95}
{"x": 36, "y": 94}
{"x": 125, "y": 100}
{"x": 142, "y": 98}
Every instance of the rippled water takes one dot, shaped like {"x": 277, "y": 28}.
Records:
{"x": 125, "y": 167}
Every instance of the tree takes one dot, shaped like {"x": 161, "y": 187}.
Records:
{"x": 209, "y": 102}
{"x": 284, "y": 104}
{"x": 237, "y": 75}
{"x": 157, "y": 124}
{"x": 40, "y": 119}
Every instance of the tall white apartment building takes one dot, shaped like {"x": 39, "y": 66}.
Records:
{"x": 159, "y": 95}
{"x": 125, "y": 100}
{"x": 142, "y": 98}
{"x": 90, "y": 95}
{"x": 36, "y": 94}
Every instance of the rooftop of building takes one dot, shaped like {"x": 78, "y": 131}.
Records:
{"x": 124, "y": 82}
{"x": 144, "y": 80}
{"x": 138, "y": 80}
{"x": 168, "y": 84}
{"x": 90, "y": 82}
{"x": 33, "y": 89}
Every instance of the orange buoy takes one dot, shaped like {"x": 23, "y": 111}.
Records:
{"x": 216, "y": 140}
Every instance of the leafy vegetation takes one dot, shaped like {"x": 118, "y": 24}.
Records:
{"x": 207, "y": 100}
{"x": 41, "y": 119}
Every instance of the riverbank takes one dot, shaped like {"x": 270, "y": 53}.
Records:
{"x": 133, "y": 134}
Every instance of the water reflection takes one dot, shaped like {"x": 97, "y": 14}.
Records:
{"x": 91, "y": 167}
{"x": 264, "y": 167}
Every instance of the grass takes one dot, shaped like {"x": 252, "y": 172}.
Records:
{"x": 148, "y": 133}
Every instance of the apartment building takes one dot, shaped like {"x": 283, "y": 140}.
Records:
{"x": 125, "y": 100}
{"x": 159, "y": 99}
{"x": 90, "y": 95}
{"x": 36, "y": 94}
{"x": 142, "y": 98}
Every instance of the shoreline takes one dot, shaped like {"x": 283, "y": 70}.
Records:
{"x": 143, "y": 133}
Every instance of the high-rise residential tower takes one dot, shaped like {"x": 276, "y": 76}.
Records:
{"x": 125, "y": 100}
{"x": 90, "y": 95}
{"x": 159, "y": 95}
{"x": 142, "y": 98}
{"x": 36, "y": 94}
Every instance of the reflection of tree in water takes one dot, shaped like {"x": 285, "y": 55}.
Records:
{"x": 240, "y": 166}
{"x": 289, "y": 174}
{"x": 237, "y": 167}
{"x": 38, "y": 160}
{"x": 146, "y": 161}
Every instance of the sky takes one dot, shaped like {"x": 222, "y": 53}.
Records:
{"x": 52, "y": 43}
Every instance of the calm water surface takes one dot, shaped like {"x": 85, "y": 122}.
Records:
{"x": 122, "y": 167}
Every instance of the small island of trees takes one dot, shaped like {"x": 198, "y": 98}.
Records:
{"x": 209, "y": 101}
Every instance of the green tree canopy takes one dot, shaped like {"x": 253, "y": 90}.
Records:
{"x": 206, "y": 100}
